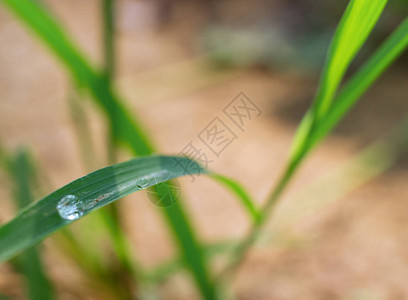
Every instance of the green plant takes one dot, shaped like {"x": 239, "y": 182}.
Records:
{"x": 21, "y": 170}
{"x": 331, "y": 103}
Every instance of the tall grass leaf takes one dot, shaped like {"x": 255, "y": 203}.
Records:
{"x": 108, "y": 13}
{"x": 347, "y": 97}
{"x": 122, "y": 124}
{"x": 111, "y": 215}
{"x": 37, "y": 283}
{"x": 388, "y": 52}
{"x": 354, "y": 28}
{"x": 355, "y": 25}
{"x": 352, "y": 31}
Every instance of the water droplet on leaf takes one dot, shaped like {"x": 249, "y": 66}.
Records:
{"x": 69, "y": 208}
{"x": 142, "y": 182}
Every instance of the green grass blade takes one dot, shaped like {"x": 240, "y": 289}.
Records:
{"x": 111, "y": 221}
{"x": 37, "y": 283}
{"x": 356, "y": 24}
{"x": 241, "y": 194}
{"x": 356, "y": 86}
{"x": 351, "y": 92}
{"x": 128, "y": 270}
{"x": 108, "y": 12}
{"x": 67, "y": 241}
{"x": 360, "y": 169}
{"x": 82, "y": 129}
{"x": 388, "y": 52}
{"x": 351, "y": 33}
{"x": 359, "y": 13}
{"x": 93, "y": 191}
{"x": 124, "y": 127}
{"x": 174, "y": 265}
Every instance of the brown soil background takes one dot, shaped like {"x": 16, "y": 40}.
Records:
{"x": 352, "y": 248}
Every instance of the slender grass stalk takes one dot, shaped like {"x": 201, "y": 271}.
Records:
{"x": 388, "y": 52}
{"x": 106, "y": 215}
{"x": 38, "y": 285}
{"x": 112, "y": 213}
{"x": 99, "y": 274}
{"x": 364, "y": 166}
{"x": 354, "y": 27}
{"x": 108, "y": 12}
{"x": 356, "y": 86}
{"x": 109, "y": 215}
{"x": 82, "y": 130}
{"x": 89, "y": 263}
{"x": 109, "y": 38}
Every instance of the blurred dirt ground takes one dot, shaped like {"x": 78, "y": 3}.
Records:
{"x": 352, "y": 248}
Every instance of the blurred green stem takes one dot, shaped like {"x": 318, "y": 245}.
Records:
{"x": 109, "y": 64}
{"x": 82, "y": 130}
{"x": 38, "y": 285}
{"x": 108, "y": 38}
{"x": 128, "y": 271}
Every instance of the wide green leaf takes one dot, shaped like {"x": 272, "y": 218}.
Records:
{"x": 85, "y": 195}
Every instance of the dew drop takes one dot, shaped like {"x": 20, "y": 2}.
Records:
{"x": 69, "y": 208}
{"x": 142, "y": 182}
